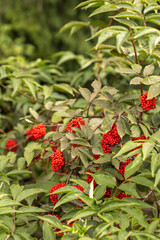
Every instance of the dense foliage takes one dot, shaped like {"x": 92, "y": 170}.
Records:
{"x": 80, "y": 157}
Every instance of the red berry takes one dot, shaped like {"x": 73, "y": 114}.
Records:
{"x": 76, "y": 122}
{"x": 147, "y": 104}
{"x": 143, "y": 137}
{"x": 11, "y": 145}
{"x": 122, "y": 167}
{"x": 53, "y": 197}
{"x": 90, "y": 178}
{"x": 57, "y": 160}
{"x": 110, "y": 139}
{"x": 38, "y": 131}
{"x": 81, "y": 189}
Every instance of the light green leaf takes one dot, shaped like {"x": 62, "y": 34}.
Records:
{"x": 29, "y": 192}
{"x": 127, "y": 147}
{"x": 142, "y": 181}
{"x": 17, "y": 172}
{"x": 82, "y": 214}
{"x": 16, "y": 190}
{"x": 63, "y": 87}
{"x": 136, "y": 68}
{"x": 16, "y": 84}
{"x": 31, "y": 87}
{"x": 30, "y": 209}
{"x": 151, "y": 80}
{"x": 136, "y": 80}
{"x": 157, "y": 178}
{"x": 133, "y": 166}
{"x": 155, "y": 161}
{"x": 147, "y": 148}
{"x": 48, "y": 232}
{"x": 148, "y": 70}
{"x": 154, "y": 90}
{"x": 103, "y": 8}
{"x": 103, "y": 179}
{"x": 129, "y": 189}
{"x": 85, "y": 93}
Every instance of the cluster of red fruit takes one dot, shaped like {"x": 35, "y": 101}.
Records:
{"x": 122, "y": 167}
{"x": 57, "y": 160}
{"x": 110, "y": 139}
{"x": 121, "y": 195}
{"x": 11, "y": 145}
{"x": 37, "y": 132}
{"x": 76, "y": 122}
{"x": 147, "y": 104}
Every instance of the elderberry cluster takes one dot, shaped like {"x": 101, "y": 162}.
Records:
{"x": 147, "y": 104}
{"x": 11, "y": 145}
{"x": 57, "y": 160}
{"x": 110, "y": 139}
{"x": 37, "y": 132}
{"x": 76, "y": 122}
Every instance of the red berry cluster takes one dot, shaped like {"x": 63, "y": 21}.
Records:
{"x": 57, "y": 160}
{"x": 147, "y": 104}
{"x": 11, "y": 145}
{"x": 53, "y": 197}
{"x": 122, "y": 167}
{"x": 110, "y": 139}
{"x": 76, "y": 122}
{"x": 38, "y": 131}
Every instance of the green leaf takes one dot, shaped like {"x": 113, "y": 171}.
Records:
{"x": 29, "y": 192}
{"x": 54, "y": 221}
{"x": 103, "y": 179}
{"x": 16, "y": 190}
{"x": 121, "y": 38}
{"x": 17, "y": 172}
{"x": 8, "y": 202}
{"x": 156, "y": 136}
{"x": 136, "y": 80}
{"x": 103, "y": 9}
{"x": 96, "y": 86}
{"x": 63, "y": 87}
{"x": 81, "y": 142}
{"x": 154, "y": 90}
{"x": 129, "y": 97}
{"x": 85, "y": 93}
{"x": 82, "y": 214}
{"x": 127, "y": 22}
{"x": 157, "y": 178}
{"x": 129, "y": 189}
{"x": 133, "y": 166}
{"x": 48, "y": 232}
{"x": 127, "y": 147}
{"x": 72, "y": 25}
{"x": 129, "y": 15}
{"x": 68, "y": 198}
{"x": 142, "y": 181}
{"x": 31, "y": 87}
{"x": 151, "y": 80}
{"x": 155, "y": 161}
{"x": 30, "y": 209}
{"x": 136, "y": 132}
{"x": 147, "y": 147}
{"x": 121, "y": 128}
{"x": 146, "y": 31}
{"x": 136, "y": 68}
{"x": 7, "y": 210}
{"x": 136, "y": 215}
{"x": 153, "y": 225}
{"x": 148, "y": 70}
{"x": 99, "y": 191}
{"x": 116, "y": 204}
{"x": 83, "y": 158}
{"x": 153, "y": 41}
{"x": 123, "y": 235}
{"x": 34, "y": 113}
{"x": 151, "y": 7}
{"x": 16, "y": 84}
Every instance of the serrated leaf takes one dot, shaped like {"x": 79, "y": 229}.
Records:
{"x": 53, "y": 220}
{"x": 136, "y": 80}
{"x": 151, "y": 80}
{"x": 127, "y": 147}
{"x": 142, "y": 181}
{"x": 48, "y": 232}
{"x": 157, "y": 178}
{"x": 148, "y": 70}
{"x": 136, "y": 68}
{"x": 83, "y": 158}
{"x": 63, "y": 87}
{"x": 99, "y": 191}
{"x": 81, "y": 142}
{"x": 129, "y": 15}
{"x": 147, "y": 148}
{"x": 133, "y": 166}
{"x": 126, "y": 187}
{"x": 47, "y": 91}
{"x": 31, "y": 209}
{"x": 16, "y": 190}
{"x": 82, "y": 214}
{"x": 104, "y": 179}
{"x": 103, "y": 9}
{"x": 155, "y": 161}
{"x": 85, "y": 93}
{"x": 96, "y": 86}
{"x": 29, "y": 192}
{"x": 154, "y": 90}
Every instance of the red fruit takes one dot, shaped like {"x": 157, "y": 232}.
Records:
{"x": 76, "y": 122}
{"x": 96, "y": 156}
{"x": 143, "y": 137}
{"x": 57, "y": 160}
{"x": 147, "y": 104}
{"x": 110, "y": 139}
{"x": 29, "y": 135}
{"x": 53, "y": 197}
{"x": 108, "y": 193}
{"x": 122, "y": 195}
{"x": 11, "y": 145}
{"x": 38, "y": 131}
{"x": 90, "y": 178}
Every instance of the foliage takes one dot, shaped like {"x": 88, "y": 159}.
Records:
{"x": 85, "y": 161}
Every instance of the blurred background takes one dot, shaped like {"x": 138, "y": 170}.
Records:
{"x": 30, "y": 27}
